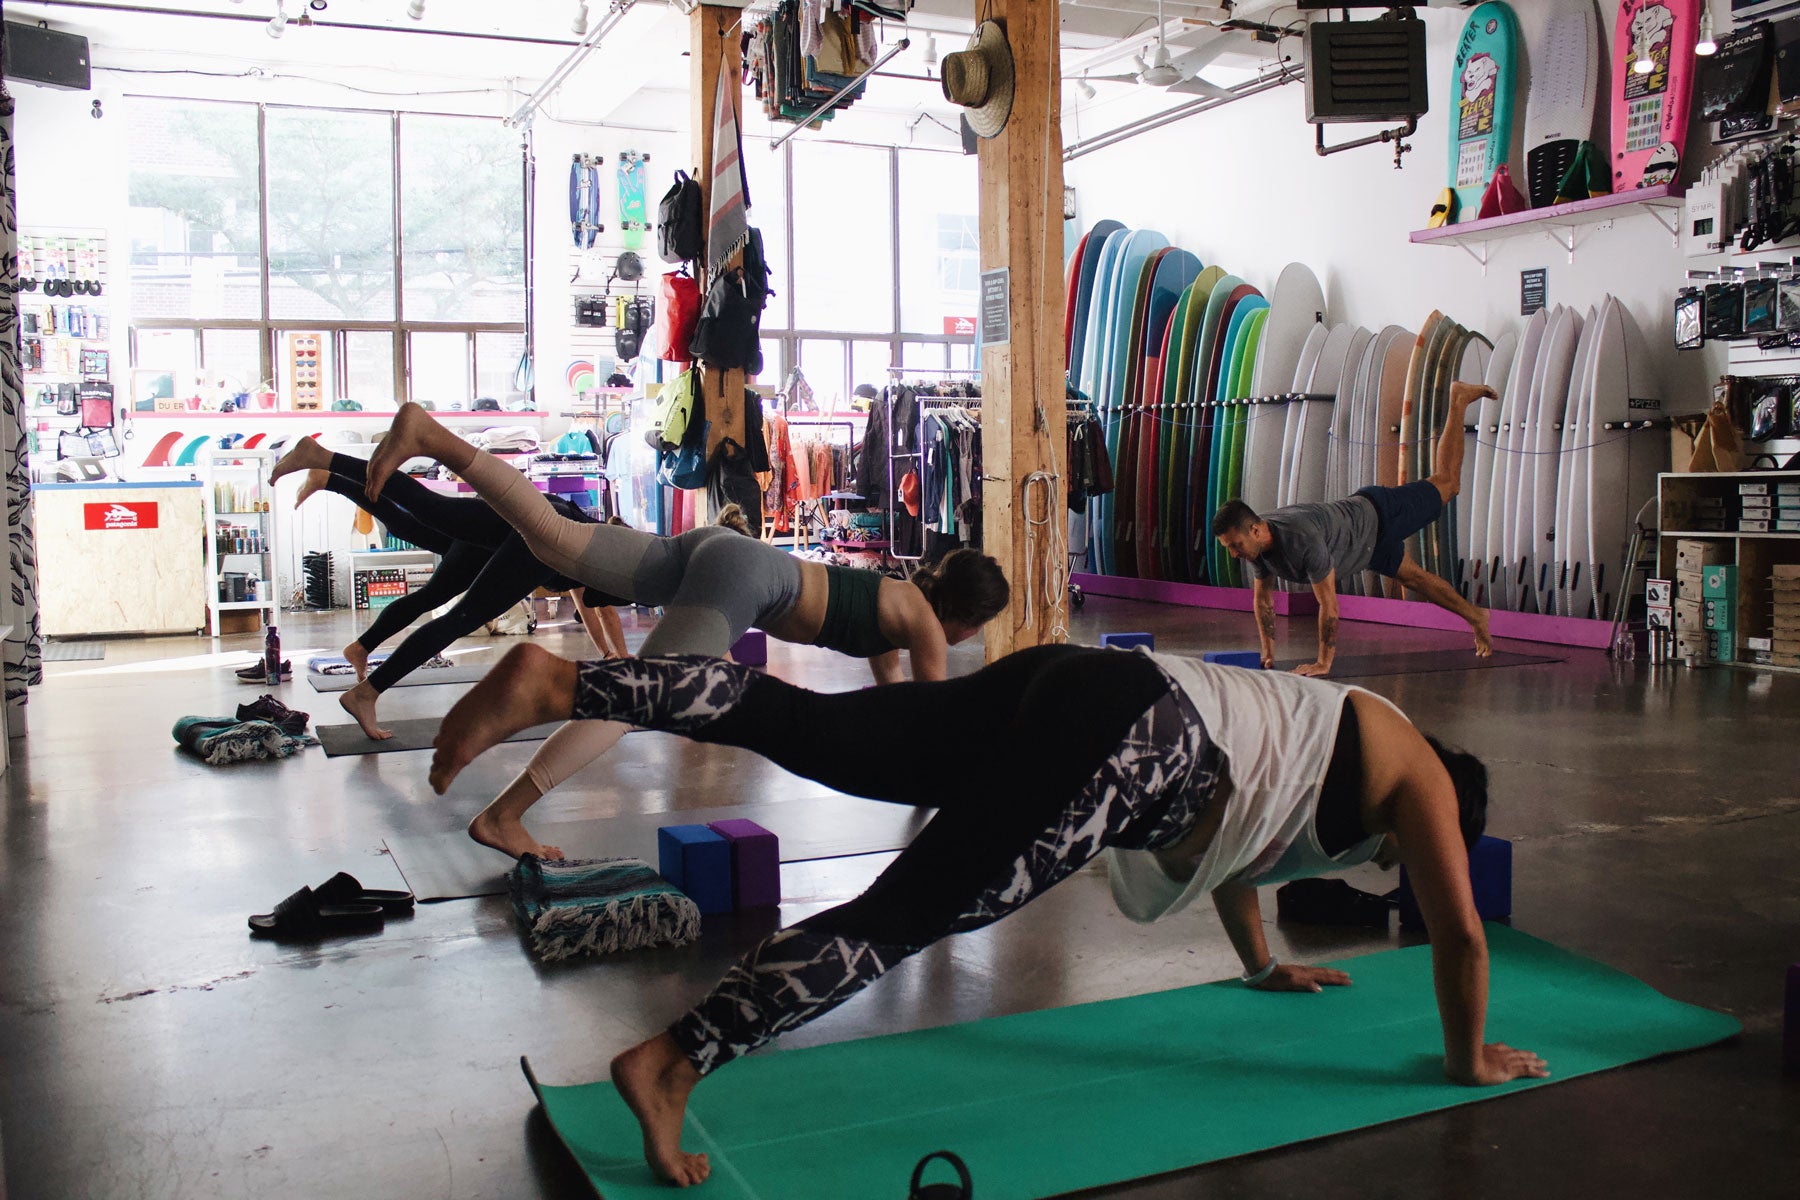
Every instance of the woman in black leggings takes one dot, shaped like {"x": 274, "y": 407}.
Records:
{"x": 1198, "y": 779}
{"x": 481, "y": 559}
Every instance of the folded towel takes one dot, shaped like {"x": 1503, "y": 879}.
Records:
{"x": 223, "y": 740}
{"x": 598, "y": 906}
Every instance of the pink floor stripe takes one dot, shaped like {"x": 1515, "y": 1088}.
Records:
{"x": 1415, "y": 614}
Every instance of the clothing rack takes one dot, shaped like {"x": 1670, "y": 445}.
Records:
{"x": 806, "y": 511}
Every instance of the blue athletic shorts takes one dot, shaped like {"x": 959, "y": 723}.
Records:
{"x": 1400, "y": 512}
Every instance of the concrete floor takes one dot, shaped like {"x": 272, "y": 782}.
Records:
{"x": 149, "y": 1048}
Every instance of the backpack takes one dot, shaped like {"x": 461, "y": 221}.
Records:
{"x": 681, "y": 221}
{"x": 674, "y": 327}
{"x": 727, "y": 335}
{"x": 674, "y": 410}
{"x": 756, "y": 271}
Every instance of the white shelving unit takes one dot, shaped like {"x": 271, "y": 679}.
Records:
{"x": 239, "y": 497}
{"x": 1680, "y": 497}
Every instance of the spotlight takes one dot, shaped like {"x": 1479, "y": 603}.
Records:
{"x": 1085, "y": 88}
{"x": 1142, "y": 66}
{"x": 278, "y": 23}
{"x": 578, "y": 26}
{"x": 931, "y": 56}
{"x": 1644, "y": 64}
{"x": 95, "y": 112}
{"x": 416, "y": 10}
{"x": 318, "y": 5}
{"x": 1706, "y": 46}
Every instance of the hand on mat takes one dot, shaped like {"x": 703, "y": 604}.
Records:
{"x": 1297, "y": 977}
{"x": 1316, "y": 669}
{"x": 1500, "y": 1063}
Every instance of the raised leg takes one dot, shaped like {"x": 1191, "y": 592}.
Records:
{"x": 1446, "y": 472}
{"x": 1412, "y": 575}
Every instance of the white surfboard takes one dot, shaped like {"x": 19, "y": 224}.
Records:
{"x": 1540, "y": 500}
{"x": 1562, "y": 55}
{"x": 1477, "y": 357}
{"x": 1521, "y": 448}
{"x": 1473, "y": 500}
{"x": 1306, "y": 464}
{"x": 1623, "y": 466}
{"x": 1571, "y": 494}
{"x": 1500, "y": 457}
{"x": 1316, "y": 337}
{"x": 1336, "y": 418}
{"x": 1295, "y": 310}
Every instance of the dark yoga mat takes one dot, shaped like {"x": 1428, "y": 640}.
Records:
{"x": 1047, "y": 1103}
{"x": 413, "y": 733}
{"x": 449, "y": 866}
{"x": 73, "y": 651}
{"x": 1420, "y": 662}
{"x": 460, "y": 673}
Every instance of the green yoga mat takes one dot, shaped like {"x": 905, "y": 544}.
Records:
{"x": 1044, "y": 1103}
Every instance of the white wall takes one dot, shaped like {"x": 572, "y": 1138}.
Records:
{"x": 1241, "y": 186}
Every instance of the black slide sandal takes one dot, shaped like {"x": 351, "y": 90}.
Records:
{"x": 302, "y": 918}
{"x": 345, "y": 888}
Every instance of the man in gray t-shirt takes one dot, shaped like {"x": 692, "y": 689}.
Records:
{"x": 1318, "y": 543}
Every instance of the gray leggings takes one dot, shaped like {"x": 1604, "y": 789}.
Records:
{"x": 711, "y": 583}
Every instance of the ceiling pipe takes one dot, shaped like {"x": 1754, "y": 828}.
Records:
{"x": 1287, "y": 74}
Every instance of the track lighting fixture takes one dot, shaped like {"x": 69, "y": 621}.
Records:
{"x": 1706, "y": 45}
{"x": 318, "y": 5}
{"x": 416, "y": 10}
{"x": 931, "y": 56}
{"x": 278, "y": 23}
{"x": 579, "y": 25}
{"x": 1085, "y": 88}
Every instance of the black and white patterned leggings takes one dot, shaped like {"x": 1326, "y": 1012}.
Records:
{"x": 1035, "y": 764}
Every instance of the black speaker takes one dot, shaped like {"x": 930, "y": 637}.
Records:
{"x": 1365, "y": 71}
{"x": 34, "y": 54}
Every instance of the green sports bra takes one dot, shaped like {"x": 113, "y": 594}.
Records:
{"x": 850, "y": 625}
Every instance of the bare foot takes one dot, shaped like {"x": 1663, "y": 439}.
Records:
{"x": 358, "y": 658}
{"x": 1483, "y": 646}
{"x": 507, "y": 835}
{"x": 359, "y": 702}
{"x": 307, "y": 455}
{"x": 655, "y": 1080}
{"x": 406, "y": 438}
{"x": 527, "y": 687}
{"x": 314, "y": 481}
{"x": 1464, "y": 394}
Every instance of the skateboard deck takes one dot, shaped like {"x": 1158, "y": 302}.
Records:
{"x": 1650, "y": 112}
{"x": 1482, "y": 94}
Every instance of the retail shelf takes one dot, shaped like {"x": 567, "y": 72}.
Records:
{"x": 233, "y": 605}
{"x": 1725, "y": 533}
{"x": 241, "y": 512}
{"x": 321, "y": 414}
{"x": 1559, "y": 222}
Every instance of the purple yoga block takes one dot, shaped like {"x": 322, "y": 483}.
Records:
{"x": 1490, "y": 878}
{"x": 751, "y": 650}
{"x": 755, "y": 862}
{"x": 562, "y": 484}
{"x": 698, "y": 861}
{"x": 1249, "y": 659}
{"x": 1129, "y": 641}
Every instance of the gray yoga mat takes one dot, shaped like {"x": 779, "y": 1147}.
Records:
{"x": 460, "y": 673}
{"x": 413, "y": 733}
{"x": 73, "y": 651}
{"x": 449, "y": 866}
{"x": 1419, "y": 662}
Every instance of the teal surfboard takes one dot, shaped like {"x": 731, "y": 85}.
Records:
{"x": 1482, "y": 95}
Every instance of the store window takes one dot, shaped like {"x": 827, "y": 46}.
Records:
{"x": 843, "y": 231}
{"x": 439, "y": 366}
{"x": 195, "y": 228}
{"x": 825, "y": 366}
{"x": 940, "y": 242}
{"x": 338, "y": 270}
{"x": 767, "y": 174}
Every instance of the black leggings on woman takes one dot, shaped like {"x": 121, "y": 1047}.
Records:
{"x": 1035, "y": 764}
{"x": 481, "y": 559}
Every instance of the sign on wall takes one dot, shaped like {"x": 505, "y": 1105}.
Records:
{"x": 996, "y": 307}
{"x": 1534, "y": 290}
{"x": 960, "y": 326}
{"x": 120, "y": 514}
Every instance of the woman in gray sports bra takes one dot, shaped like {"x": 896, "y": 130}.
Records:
{"x": 712, "y": 585}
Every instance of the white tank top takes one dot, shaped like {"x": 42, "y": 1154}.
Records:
{"x": 1276, "y": 732}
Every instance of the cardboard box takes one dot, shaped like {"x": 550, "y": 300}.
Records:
{"x": 1659, "y": 593}
{"x": 1721, "y": 646}
{"x": 1755, "y": 644}
{"x": 1690, "y": 585}
{"x": 1785, "y": 571}
{"x": 1785, "y": 646}
{"x": 1690, "y": 645}
{"x": 1719, "y": 582}
{"x": 1753, "y": 525}
{"x": 1753, "y": 489}
{"x": 1688, "y": 616}
{"x": 1696, "y": 554}
{"x": 1659, "y": 617}
{"x": 1719, "y": 613}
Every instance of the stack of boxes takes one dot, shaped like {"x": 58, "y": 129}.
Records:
{"x": 1784, "y": 586}
{"x": 1769, "y": 507}
{"x": 1704, "y": 624}
{"x": 1718, "y": 611}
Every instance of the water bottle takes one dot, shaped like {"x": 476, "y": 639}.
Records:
{"x": 272, "y": 656}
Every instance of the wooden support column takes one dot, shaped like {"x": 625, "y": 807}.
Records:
{"x": 714, "y": 49}
{"x": 1022, "y": 379}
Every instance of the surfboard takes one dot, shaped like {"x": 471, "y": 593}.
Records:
{"x": 1175, "y": 272}
{"x": 1562, "y": 56}
{"x": 1623, "y": 466}
{"x": 1571, "y": 496}
{"x": 1131, "y": 425}
{"x": 1182, "y": 424}
{"x": 1115, "y": 370}
{"x": 1172, "y": 424}
{"x": 1308, "y": 483}
{"x": 1295, "y": 306}
{"x": 1316, "y": 337}
{"x": 1537, "y": 489}
{"x": 1414, "y": 420}
{"x": 1454, "y": 521}
{"x": 1089, "y": 262}
{"x": 1482, "y": 94}
{"x": 1226, "y": 294}
{"x": 1218, "y": 465}
{"x": 1433, "y": 413}
{"x": 1478, "y": 467}
{"x": 1650, "y": 112}
{"x": 1495, "y": 458}
{"x": 1233, "y": 486}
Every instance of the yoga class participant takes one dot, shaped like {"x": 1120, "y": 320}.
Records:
{"x": 480, "y": 558}
{"x": 1199, "y": 779}
{"x": 712, "y": 589}
{"x": 1317, "y": 543}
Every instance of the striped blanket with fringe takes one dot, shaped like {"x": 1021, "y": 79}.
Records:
{"x": 598, "y": 906}
{"x": 224, "y": 740}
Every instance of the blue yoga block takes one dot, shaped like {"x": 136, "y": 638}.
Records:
{"x": 698, "y": 861}
{"x": 1248, "y": 659}
{"x": 1490, "y": 877}
{"x": 751, "y": 650}
{"x": 1129, "y": 641}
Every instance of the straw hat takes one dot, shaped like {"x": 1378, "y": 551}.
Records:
{"x": 980, "y": 79}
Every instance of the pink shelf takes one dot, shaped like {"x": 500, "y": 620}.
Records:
{"x": 324, "y": 414}
{"x": 1579, "y": 212}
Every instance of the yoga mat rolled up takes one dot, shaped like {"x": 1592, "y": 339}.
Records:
{"x": 1044, "y": 1103}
